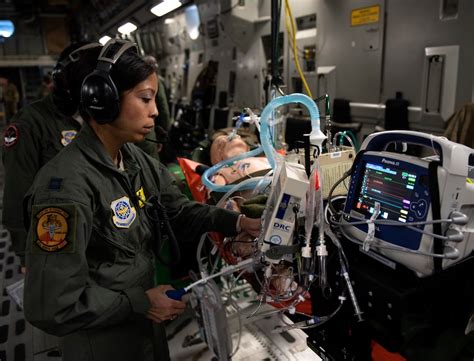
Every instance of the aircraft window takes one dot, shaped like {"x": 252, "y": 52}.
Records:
{"x": 6, "y": 28}
{"x": 192, "y": 21}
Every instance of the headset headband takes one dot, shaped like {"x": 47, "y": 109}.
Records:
{"x": 124, "y": 46}
{"x": 74, "y": 56}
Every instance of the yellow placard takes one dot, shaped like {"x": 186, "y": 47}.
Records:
{"x": 366, "y": 15}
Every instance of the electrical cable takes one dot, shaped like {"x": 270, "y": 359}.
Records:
{"x": 157, "y": 213}
{"x": 410, "y": 225}
{"x": 331, "y": 191}
{"x": 453, "y": 254}
{"x": 289, "y": 16}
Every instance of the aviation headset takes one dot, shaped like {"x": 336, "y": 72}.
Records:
{"x": 99, "y": 95}
{"x": 63, "y": 98}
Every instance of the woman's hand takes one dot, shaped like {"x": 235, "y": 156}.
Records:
{"x": 250, "y": 225}
{"x": 162, "y": 307}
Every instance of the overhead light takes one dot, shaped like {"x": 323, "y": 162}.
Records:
{"x": 193, "y": 21}
{"x": 127, "y": 28}
{"x": 169, "y": 21}
{"x": 103, "y": 40}
{"x": 6, "y": 28}
{"x": 165, "y": 7}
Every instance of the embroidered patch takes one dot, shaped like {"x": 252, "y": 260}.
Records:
{"x": 55, "y": 183}
{"x": 11, "y": 136}
{"x": 68, "y": 136}
{"x": 52, "y": 229}
{"x": 124, "y": 213}
{"x": 141, "y": 197}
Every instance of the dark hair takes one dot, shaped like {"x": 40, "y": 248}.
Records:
{"x": 68, "y": 82}
{"x": 130, "y": 70}
{"x": 150, "y": 59}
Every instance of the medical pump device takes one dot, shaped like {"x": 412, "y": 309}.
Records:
{"x": 287, "y": 193}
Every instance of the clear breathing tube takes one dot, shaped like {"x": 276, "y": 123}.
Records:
{"x": 238, "y": 124}
{"x": 316, "y": 137}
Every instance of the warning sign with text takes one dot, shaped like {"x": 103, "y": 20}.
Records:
{"x": 364, "y": 16}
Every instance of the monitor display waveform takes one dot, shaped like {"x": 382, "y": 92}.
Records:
{"x": 389, "y": 186}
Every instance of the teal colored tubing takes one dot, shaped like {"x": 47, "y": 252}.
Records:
{"x": 278, "y": 102}
{"x": 210, "y": 172}
{"x": 267, "y": 144}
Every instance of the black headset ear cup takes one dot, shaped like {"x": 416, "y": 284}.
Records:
{"x": 99, "y": 97}
{"x": 62, "y": 98}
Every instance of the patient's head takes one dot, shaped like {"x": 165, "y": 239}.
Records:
{"x": 224, "y": 148}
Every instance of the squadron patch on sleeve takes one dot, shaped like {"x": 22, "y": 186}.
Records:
{"x": 10, "y": 136}
{"x": 55, "y": 229}
{"x": 68, "y": 136}
{"x": 124, "y": 213}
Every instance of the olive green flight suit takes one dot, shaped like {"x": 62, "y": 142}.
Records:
{"x": 42, "y": 132}
{"x": 89, "y": 252}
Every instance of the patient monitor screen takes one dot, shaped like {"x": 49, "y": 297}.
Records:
{"x": 402, "y": 189}
{"x": 389, "y": 186}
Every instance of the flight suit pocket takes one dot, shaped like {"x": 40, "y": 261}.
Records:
{"x": 108, "y": 250}
{"x": 111, "y": 260}
{"x": 116, "y": 240}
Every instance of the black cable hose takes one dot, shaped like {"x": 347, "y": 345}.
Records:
{"x": 160, "y": 219}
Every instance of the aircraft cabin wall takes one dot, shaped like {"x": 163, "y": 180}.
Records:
{"x": 228, "y": 38}
{"x": 375, "y": 60}
{"x": 411, "y": 47}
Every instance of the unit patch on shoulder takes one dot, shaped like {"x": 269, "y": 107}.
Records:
{"x": 68, "y": 136}
{"x": 124, "y": 213}
{"x": 54, "y": 228}
{"x": 141, "y": 197}
{"x": 10, "y": 136}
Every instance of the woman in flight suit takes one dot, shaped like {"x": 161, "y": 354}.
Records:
{"x": 90, "y": 253}
{"x": 39, "y": 131}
